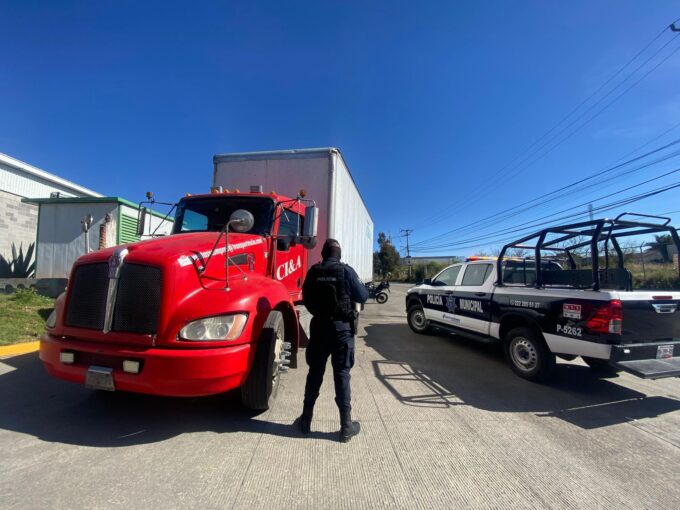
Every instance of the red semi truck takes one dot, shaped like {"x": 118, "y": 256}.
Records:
{"x": 208, "y": 309}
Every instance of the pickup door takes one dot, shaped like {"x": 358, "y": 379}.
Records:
{"x": 473, "y": 298}
{"x": 434, "y": 297}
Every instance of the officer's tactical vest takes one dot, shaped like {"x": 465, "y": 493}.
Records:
{"x": 327, "y": 297}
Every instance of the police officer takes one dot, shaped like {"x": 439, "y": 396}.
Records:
{"x": 331, "y": 288}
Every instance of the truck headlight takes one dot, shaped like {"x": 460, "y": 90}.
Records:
{"x": 51, "y": 319}
{"x": 222, "y": 327}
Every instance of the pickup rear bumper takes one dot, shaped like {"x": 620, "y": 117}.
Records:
{"x": 649, "y": 361}
{"x": 168, "y": 372}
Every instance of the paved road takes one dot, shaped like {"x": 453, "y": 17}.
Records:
{"x": 445, "y": 425}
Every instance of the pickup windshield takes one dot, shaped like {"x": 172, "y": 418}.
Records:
{"x": 211, "y": 214}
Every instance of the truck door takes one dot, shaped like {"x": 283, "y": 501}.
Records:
{"x": 290, "y": 256}
{"x": 437, "y": 296}
{"x": 473, "y": 298}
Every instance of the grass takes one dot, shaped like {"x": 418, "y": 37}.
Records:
{"x": 22, "y": 316}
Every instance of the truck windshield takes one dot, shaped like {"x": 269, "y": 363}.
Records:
{"x": 211, "y": 214}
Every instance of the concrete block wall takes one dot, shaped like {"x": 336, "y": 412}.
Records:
{"x": 18, "y": 223}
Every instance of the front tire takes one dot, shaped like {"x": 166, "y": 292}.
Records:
{"x": 528, "y": 355}
{"x": 417, "y": 320}
{"x": 260, "y": 387}
{"x": 381, "y": 298}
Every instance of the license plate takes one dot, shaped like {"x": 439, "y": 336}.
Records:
{"x": 100, "y": 378}
{"x": 664, "y": 352}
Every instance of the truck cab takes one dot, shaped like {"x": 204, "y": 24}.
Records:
{"x": 207, "y": 309}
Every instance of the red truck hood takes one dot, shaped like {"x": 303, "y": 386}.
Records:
{"x": 181, "y": 249}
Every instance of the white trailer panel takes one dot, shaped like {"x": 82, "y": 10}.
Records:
{"x": 326, "y": 179}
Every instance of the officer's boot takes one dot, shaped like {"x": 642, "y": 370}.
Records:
{"x": 305, "y": 420}
{"x": 348, "y": 428}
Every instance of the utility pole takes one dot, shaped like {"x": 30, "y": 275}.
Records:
{"x": 406, "y": 233}
{"x": 590, "y": 211}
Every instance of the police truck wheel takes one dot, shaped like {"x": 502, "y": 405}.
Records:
{"x": 259, "y": 390}
{"x": 417, "y": 320}
{"x": 528, "y": 354}
{"x": 381, "y": 298}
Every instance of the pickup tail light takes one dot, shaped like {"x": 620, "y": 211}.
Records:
{"x": 607, "y": 318}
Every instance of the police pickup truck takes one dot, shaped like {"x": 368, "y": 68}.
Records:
{"x": 550, "y": 305}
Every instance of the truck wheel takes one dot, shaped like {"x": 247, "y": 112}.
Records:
{"x": 259, "y": 390}
{"x": 417, "y": 320}
{"x": 600, "y": 366}
{"x": 528, "y": 355}
{"x": 381, "y": 298}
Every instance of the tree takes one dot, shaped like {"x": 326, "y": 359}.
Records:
{"x": 661, "y": 244}
{"x": 386, "y": 259}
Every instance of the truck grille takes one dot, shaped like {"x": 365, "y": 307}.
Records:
{"x": 137, "y": 301}
{"x": 87, "y": 302}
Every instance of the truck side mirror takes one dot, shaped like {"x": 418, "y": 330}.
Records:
{"x": 241, "y": 220}
{"x": 310, "y": 227}
{"x": 141, "y": 221}
{"x": 427, "y": 281}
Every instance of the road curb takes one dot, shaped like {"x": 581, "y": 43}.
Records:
{"x": 17, "y": 349}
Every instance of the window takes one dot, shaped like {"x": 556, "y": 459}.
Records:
{"x": 194, "y": 221}
{"x": 448, "y": 276}
{"x": 290, "y": 224}
{"x": 476, "y": 274}
{"x": 210, "y": 214}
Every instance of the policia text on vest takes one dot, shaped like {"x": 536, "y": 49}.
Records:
{"x": 330, "y": 290}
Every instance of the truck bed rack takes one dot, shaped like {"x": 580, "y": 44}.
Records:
{"x": 588, "y": 233}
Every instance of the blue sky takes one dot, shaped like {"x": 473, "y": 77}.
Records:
{"x": 427, "y": 100}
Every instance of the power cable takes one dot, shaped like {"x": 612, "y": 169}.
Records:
{"x": 523, "y": 156}
{"x": 528, "y": 225}
{"x": 480, "y": 223}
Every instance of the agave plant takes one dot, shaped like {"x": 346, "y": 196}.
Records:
{"x": 20, "y": 265}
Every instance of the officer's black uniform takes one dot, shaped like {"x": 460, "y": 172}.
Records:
{"x": 330, "y": 291}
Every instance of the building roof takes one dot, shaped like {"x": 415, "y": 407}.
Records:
{"x": 90, "y": 200}
{"x": 35, "y": 172}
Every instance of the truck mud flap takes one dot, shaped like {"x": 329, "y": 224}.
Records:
{"x": 648, "y": 361}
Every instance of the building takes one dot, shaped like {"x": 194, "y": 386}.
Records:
{"x": 18, "y": 219}
{"x": 60, "y": 238}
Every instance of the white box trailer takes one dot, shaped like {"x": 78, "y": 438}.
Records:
{"x": 323, "y": 174}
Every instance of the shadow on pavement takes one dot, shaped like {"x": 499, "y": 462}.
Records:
{"x": 449, "y": 370}
{"x": 31, "y": 402}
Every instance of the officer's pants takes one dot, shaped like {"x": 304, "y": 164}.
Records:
{"x": 325, "y": 340}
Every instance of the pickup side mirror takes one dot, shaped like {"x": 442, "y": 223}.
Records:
{"x": 310, "y": 227}
{"x": 427, "y": 281}
{"x": 141, "y": 221}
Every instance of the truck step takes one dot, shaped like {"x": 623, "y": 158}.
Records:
{"x": 651, "y": 368}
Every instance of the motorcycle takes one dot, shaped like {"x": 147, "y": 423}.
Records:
{"x": 378, "y": 292}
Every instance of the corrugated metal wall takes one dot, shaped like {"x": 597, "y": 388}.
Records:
{"x": 352, "y": 224}
{"x": 129, "y": 222}
{"x": 61, "y": 239}
{"x": 28, "y": 186}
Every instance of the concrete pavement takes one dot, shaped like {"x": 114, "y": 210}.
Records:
{"x": 445, "y": 424}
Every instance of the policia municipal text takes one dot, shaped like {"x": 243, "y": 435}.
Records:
{"x": 330, "y": 290}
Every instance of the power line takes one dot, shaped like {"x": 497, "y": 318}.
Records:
{"x": 526, "y": 225}
{"x": 523, "y": 156}
{"x": 554, "y": 193}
